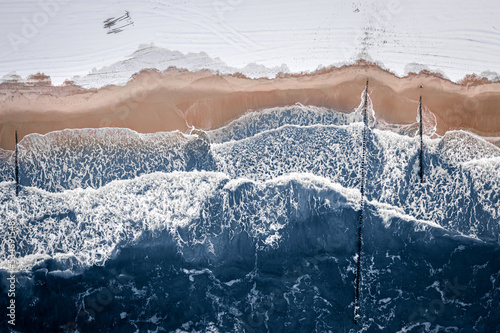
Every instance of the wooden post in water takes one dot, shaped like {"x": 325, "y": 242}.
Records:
{"x": 362, "y": 190}
{"x": 17, "y": 170}
{"x": 421, "y": 142}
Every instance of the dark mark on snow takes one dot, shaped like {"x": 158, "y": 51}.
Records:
{"x": 116, "y": 24}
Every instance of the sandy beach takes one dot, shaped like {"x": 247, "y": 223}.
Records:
{"x": 155, "y": 101}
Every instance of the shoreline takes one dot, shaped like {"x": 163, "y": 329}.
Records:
{"x": 154, "y": 101}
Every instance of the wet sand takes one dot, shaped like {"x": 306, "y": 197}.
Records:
{"x": 153, "y": 101}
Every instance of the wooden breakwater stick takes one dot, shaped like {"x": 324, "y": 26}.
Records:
{"x": 421, "y": 142}
{"x": 17, "y": 169}
{"x": 362, "y": 190}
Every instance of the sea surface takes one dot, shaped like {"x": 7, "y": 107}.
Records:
{"x": 253, "y": 227}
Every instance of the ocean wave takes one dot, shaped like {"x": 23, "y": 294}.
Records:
{"x": 92, "y": 224}
{"x": 210, "y": 251}
{"x": 81, "y": 158}
{"x": 259, "y": 222}
{"x": 459, "y": 167}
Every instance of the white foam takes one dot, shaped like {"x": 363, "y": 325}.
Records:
{"x": 89, "y": 225}
{"x": 114, "y": 214}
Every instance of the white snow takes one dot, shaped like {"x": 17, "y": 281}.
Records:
{"x": 64, "y": 38}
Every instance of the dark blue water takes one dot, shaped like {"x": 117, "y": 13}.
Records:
{"x": 253, "y": 228}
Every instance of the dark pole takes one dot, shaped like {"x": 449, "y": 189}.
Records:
{"x": 17, "y": 170}
{"x": 421, "y": 143}
{"x": 362, "y": 190}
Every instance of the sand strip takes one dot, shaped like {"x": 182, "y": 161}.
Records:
{"x": 153, "y": 101}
